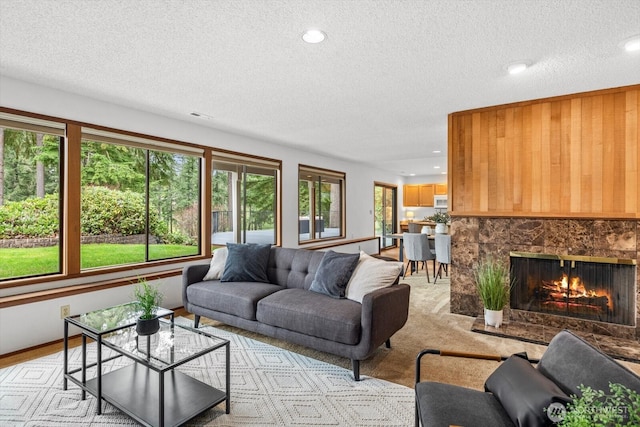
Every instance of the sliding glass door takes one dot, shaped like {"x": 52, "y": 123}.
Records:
{"x": 385, "y": 204}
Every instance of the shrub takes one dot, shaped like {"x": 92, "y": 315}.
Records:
{"x": 35, "y": 217}
{"x": 104, "y": 211}
{"x": 178, "y": 238}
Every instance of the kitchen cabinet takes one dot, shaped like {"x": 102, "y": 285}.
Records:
{"x": 440, "y": 189}
{"x": 426, "y": 195}
{"x": 421, "y": 195}
{"x": 411, "y": 195}
{"x": 418, "y": 195}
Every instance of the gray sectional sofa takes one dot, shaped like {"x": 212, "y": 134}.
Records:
{"x": 285, "y": 308}
{"x": 517, "y": 394}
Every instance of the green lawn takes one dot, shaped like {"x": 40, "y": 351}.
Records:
{"x": 22, "y": 262}
{"x": 28, "y": 261}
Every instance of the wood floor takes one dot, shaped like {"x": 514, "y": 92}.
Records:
{"x": 54, "y": 347}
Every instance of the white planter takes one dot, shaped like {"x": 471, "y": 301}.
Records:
{"x": 493, "y": 317}
{"x": 441, "y": 228}
{"x": 425, "y": 229}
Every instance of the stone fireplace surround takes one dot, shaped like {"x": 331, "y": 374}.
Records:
{"x": 475, "y": 237}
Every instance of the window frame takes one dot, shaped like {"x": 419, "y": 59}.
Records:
{"x": 21, "y": 121}
{"x": 247, "y": 162}
{"x": 321, "y": 175}
{"x": 148, "y": 148}
{"x": 70, "y": 185}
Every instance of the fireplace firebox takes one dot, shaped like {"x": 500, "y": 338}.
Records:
{"x": 592, "y": 288}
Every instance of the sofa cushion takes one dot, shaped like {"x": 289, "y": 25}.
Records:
{"x": 524, "y": 392}
{"x": 334, "y": 273}
{"x": 312, "y": 313}
{"x": 293, "y": 268}
{"x": 235, "y": 298}
{"x": 246, "y": 262}
{"x": 216, "y": 267}
{"x": 445, "y": 404}
{"x": 371, "y": 274}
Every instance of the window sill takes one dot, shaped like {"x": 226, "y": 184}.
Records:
{"x": 31, "y": 297}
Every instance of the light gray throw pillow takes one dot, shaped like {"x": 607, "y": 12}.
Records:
{"x": 370, "y": 275}
{"x": 216, "y": 267}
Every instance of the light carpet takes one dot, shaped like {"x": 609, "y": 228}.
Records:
{"x": 270, "y": 386}
{"x": 430, "y": 325}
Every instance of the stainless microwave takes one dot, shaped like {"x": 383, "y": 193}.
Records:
{"x": 440, "y": 201}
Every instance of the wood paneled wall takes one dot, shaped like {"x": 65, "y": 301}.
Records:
{"x": 568, "y": 156}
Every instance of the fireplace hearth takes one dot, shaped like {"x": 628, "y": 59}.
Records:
{"x": 591, "y": 288}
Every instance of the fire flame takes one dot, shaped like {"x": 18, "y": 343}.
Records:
{"x": 575, "y": 288}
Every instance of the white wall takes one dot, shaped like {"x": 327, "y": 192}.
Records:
{"x": 32, "y": 324}
{"x": 426, "y": 179}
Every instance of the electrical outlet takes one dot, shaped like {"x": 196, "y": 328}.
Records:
{"x": 65, "y": 311}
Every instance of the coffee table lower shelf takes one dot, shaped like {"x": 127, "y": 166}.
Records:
{"x": 134, "y": 390}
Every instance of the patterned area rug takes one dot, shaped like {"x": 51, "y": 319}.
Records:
{"x": 269, "y": 387}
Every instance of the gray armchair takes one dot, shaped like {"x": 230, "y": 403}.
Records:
{"x": 518, "y": 393}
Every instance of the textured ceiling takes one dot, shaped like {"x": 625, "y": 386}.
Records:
{"x": 378, "y": 90}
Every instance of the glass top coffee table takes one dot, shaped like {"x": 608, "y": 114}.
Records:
{"x": 150, "y": 389}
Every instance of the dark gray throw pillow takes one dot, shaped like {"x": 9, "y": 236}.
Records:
{"x": 246, "y": 262}
{"x": 526, "y": 394}
{"x": 334, "y": 273}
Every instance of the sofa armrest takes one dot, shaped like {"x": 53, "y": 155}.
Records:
{"x": 192, "y": 274}
{"x": 448, "y": 353}
{"x": 384, "y": 312}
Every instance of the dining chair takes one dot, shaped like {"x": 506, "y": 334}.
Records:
{"x": 443, "y": 254}
{"x": 418, "y": 250}
{"x": 414, "y": 227}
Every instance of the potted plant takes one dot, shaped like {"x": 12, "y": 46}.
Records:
{"x": 441, "y": 219}
{"x": 492, "y": 282}
{"x": 148, "y": 298}
{"x": 596, "y": 407}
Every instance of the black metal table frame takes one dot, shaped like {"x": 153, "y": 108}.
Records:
{"x": 97, "y": 337}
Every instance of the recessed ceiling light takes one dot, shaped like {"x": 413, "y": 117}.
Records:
{"x": 436, "y": 151}
{"x": 436, "y": 167}
{"x": 632, "y": 44}
{"x": 412, "y": 174}
{"x": 517, "y": 67}
{"x": 314, "y": 36}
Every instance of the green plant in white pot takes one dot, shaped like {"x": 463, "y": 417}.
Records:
{"x": 148, "y": 298}
{"x": 493, "y": 284}
{"x": 441, "y": 219}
